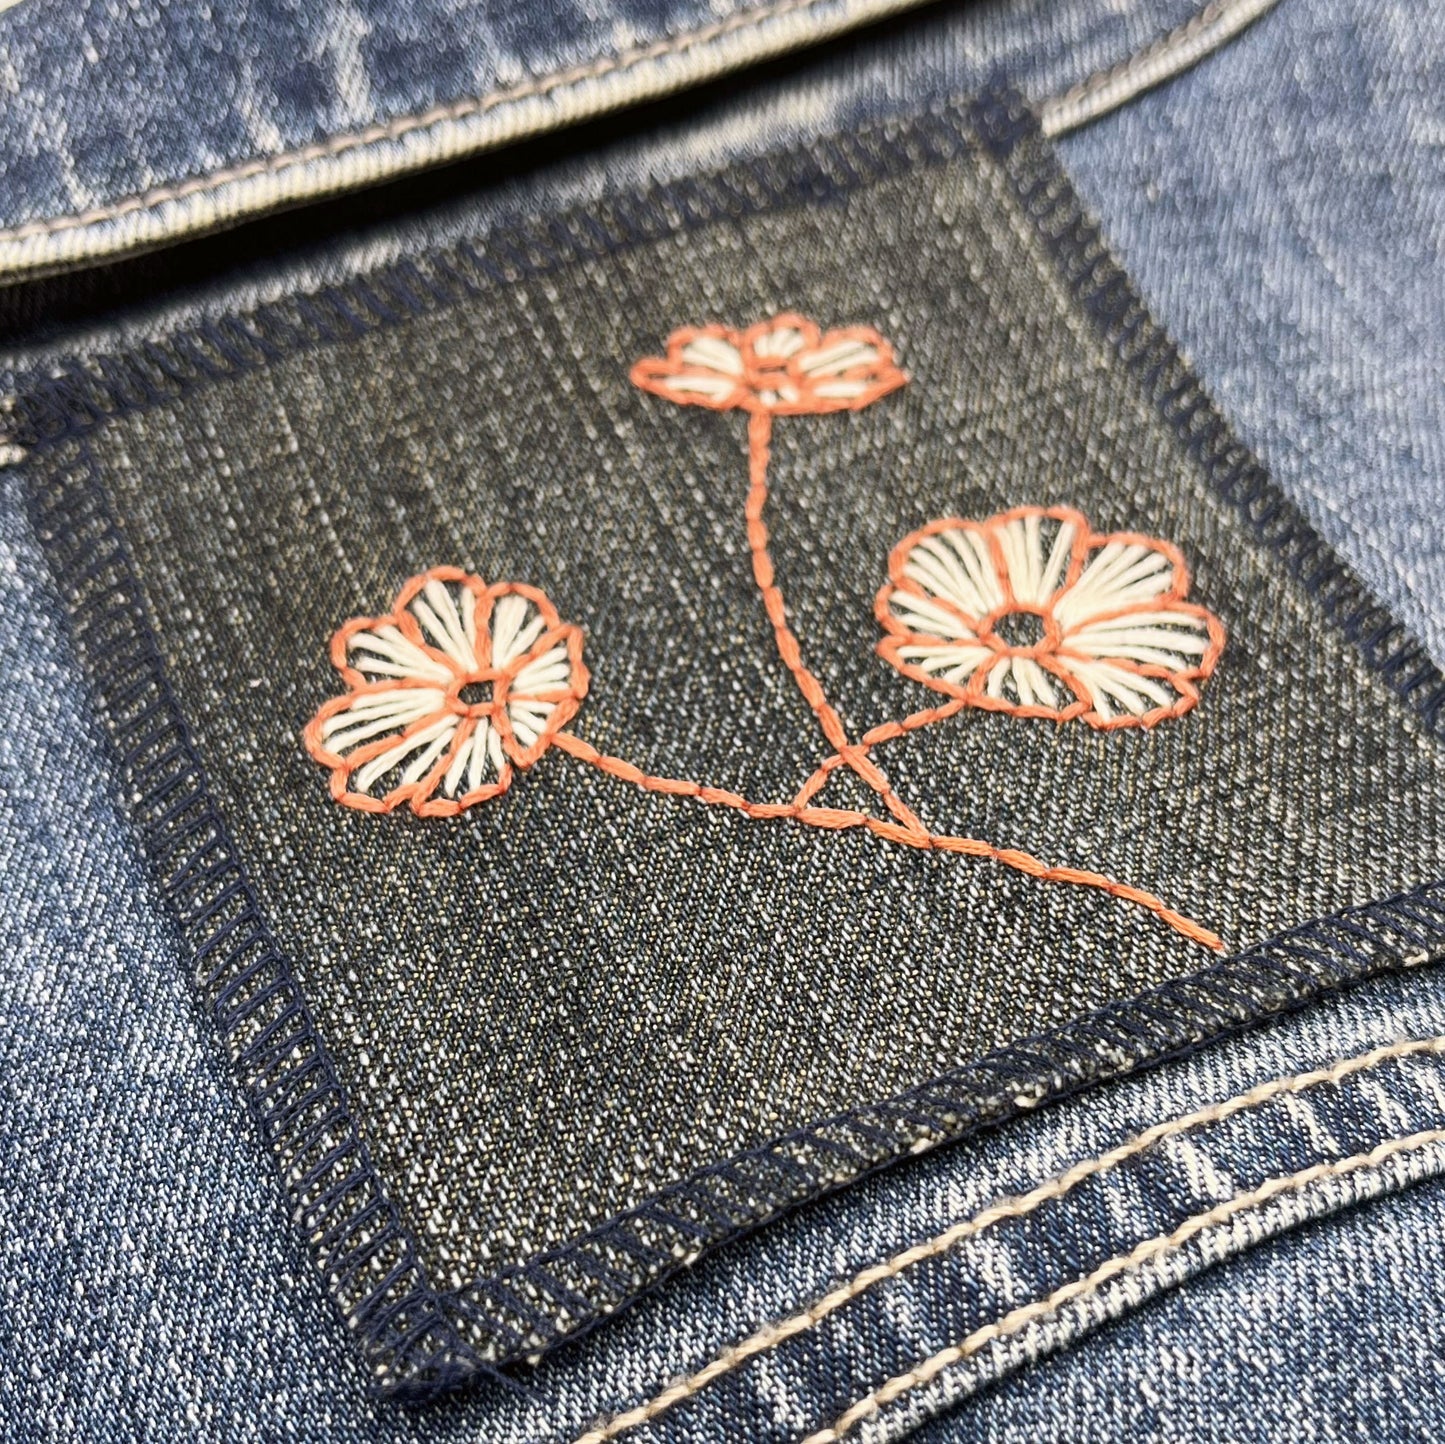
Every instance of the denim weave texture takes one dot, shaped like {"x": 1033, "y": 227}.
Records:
{"x": 129, "y": 125}
{"x": 1047, "y": 1265}
{"x": 528, "y": 1059}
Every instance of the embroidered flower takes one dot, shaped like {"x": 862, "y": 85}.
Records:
{"x": 458, "y": 684}
{"x": 1030, "y": 612}
{"x": 784, "y": 367}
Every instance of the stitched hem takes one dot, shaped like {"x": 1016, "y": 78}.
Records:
{"x": 1071, "y": 1323}
{"x": 1180, "y": 50}
{"x": 780, "y": 1331}
{"x": 442, "y": 133}
{"x": 299, "y": 1104}
{"x": 418, "y": 1341}
{"x": 1150, "y": 1253}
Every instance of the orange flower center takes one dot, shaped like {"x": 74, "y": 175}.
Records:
{"x": 768, "y": 375}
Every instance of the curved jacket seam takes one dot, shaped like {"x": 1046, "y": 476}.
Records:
{"x": 1148, "y": 1252}
{"x": 779, "y": 1331}
{"x": 1184, "y": 47}
{"x": 1094, "y": 96}
{"x": 403, "y": 126}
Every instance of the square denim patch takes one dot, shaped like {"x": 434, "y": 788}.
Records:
{"x": 649, "y": 717}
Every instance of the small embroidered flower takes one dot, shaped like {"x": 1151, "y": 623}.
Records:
{"x": 783, "y": 367}
{"x": 1032, "y": 613}
{"x": 458, "y": 684}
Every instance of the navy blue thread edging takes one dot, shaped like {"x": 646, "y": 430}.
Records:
{"x": 418, "y": 1341}
{"x": 337, "y": 1198}
{"x": 1009, "y": 131}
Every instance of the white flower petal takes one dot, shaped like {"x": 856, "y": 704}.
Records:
{"x": 950, "y": 663}
{"x": 517, "y": 622}
{"x": 1035, "y": 686}
{"x": 923, "y": 614}
{"x": 1117, "y": 575}
{"x": 1119, "y": 692}
{"x": 956, "y": 566}
{"x": 475, "y": 763}
{"x": 1056, "y": 565}
{"x": 842, "y": 389}
{"x": 375, "y": 714}
{"x": 699, "y": 384}
{"x": 1036, "y": 551}
{"x": 529, "y": 719}
{"x": 779, "y": 343}
{"x": 713, "y": 354}
{"x": 547, "y": 673}
{"x": 785, "y": 393}
{"x": 1166, "y": 639}
{"x": 384, "y": 652}
{"x": 1022, "y": 682}
{"x": 839, "y": 357}
{"x": 440, "y": 617}
{"x": 414, "y": 755}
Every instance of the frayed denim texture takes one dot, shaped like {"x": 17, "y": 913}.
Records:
{"x": 420, "y": 1343}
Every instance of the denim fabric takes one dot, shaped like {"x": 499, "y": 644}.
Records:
{"x": 880, "y": 1364}
{"x": 506, "y": 1126}
{"x": 223, "y": 1293}
{"x": 156, "y": 1292}
{"x": 1208, "y": 1361}
{"x": 1323, "y": 324}
{"x": 127, "y": 127}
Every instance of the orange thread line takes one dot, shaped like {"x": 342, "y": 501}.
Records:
{"x": 884, "y": 732}
{"x": 837, "y": 819}
{"x": 760, "y": 430}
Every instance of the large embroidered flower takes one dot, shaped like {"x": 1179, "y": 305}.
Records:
{"x": 458, "y": 684}
{"x": 1030, "y": 612}
{"x": 785, "y": 367}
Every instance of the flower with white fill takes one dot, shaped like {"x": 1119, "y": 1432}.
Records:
{"x": 1033, "y": 613}
{"x": 448, "y": 693}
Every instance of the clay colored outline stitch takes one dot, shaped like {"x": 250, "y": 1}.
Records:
{"x": 786, "y": 366}
{"x": 771, "y": 1335}
{"x": 1117, "y": 645}
{"x": 1143, "y": 1254}
{"x": 404, "y": 733}
{"x": 449, "y": 691}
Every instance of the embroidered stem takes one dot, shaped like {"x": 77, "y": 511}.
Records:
{"x": 836, "y": 819}
{"x": 760, "y": 432}
{"x": 884, "y": 732}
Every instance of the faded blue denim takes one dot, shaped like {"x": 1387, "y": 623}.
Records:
{"x": 156, "y": 1290}
{"x": 128, "y": 126}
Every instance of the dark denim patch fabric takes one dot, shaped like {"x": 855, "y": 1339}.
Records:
{"x": 520, "y": 1062}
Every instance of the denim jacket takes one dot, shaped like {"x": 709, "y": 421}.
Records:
{"x": 723, "y": 721}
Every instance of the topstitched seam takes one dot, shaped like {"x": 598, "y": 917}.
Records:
{"x": 1082, "y": 103}
{"x": 1135, "y": 1261}
{"x": 779, "y": 1331}
{"x": 1182, "y": 48}
{"x": 416, "y": 1340}
{"x": 406, "y": 125}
